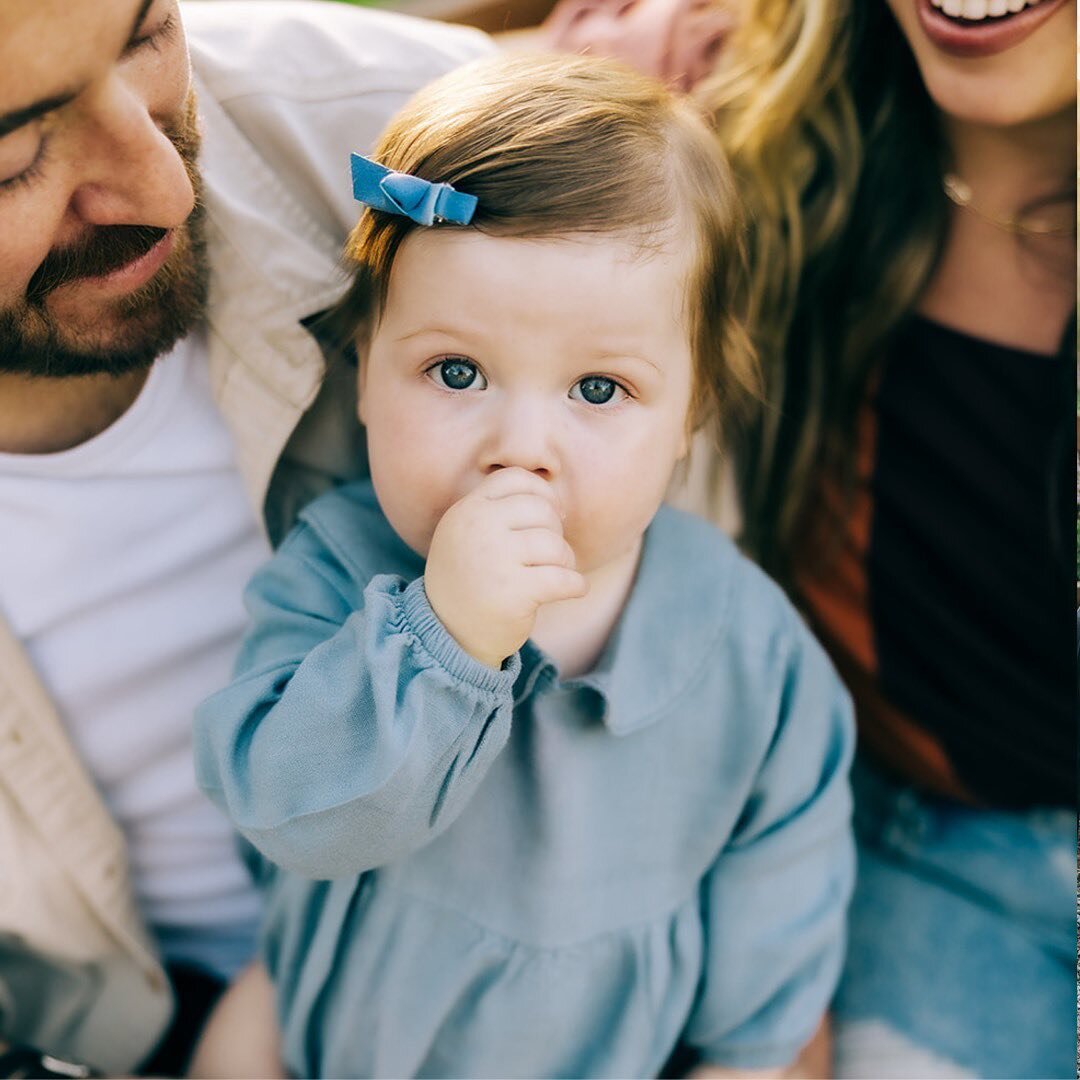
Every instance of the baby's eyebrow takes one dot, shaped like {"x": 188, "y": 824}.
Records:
{"x": 442, "y": 331}
{"x": 609, "y": 355}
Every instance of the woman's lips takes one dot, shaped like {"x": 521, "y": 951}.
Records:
{"x": 974, "y": 28}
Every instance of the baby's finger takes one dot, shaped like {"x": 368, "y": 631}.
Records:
{"x": 551, "y": 583}
{"x": 543, "y": 547}
{"x": 527, "y": 511}
{"x": 515, "y": 481}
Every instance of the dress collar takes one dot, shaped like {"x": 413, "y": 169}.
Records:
{"x": 676, "y": 610}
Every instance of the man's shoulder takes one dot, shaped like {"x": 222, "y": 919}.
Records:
{"x": 287, "y": 89}
{"x": 306, "y": 49}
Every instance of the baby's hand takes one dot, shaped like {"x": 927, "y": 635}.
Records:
{"x": 495, "y": 557}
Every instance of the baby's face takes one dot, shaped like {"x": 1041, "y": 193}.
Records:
{"x": 568, "y": 357}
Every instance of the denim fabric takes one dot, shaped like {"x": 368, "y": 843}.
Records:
{"x": 962, "y": 947}
{"x": 525, "y": 875}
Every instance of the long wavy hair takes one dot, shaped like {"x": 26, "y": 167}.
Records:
{"x": 839, "y": 154}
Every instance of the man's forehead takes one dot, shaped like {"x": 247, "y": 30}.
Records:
{"x": 50, "y": 48}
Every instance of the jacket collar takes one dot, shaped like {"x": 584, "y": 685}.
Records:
{"x": 272, "y": 266}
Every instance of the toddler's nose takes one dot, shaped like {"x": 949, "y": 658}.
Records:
{"x": 523, "y": 437}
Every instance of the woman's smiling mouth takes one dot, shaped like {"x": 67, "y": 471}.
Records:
{"x": 973, "y": 28}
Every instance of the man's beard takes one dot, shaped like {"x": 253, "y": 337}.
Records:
{"x": 128, "y": 333}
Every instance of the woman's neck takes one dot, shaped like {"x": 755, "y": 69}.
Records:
{"x": 997, "y": 283}
{"x": 1008, "y": 168}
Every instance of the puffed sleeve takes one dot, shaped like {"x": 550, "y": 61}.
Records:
{"x": 774, "y": 901}
{"x": 356, "y": 728}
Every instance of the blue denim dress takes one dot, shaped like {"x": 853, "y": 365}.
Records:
{"x": 505, "y": 873}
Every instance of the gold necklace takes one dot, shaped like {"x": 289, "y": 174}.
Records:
{"x": 960, "y": 193}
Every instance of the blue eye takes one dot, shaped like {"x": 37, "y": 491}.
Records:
{"x": 595, "y": 389}
{"x": 458, "y": 374}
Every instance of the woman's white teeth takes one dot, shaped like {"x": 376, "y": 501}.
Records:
{"x": 977, "y": 10}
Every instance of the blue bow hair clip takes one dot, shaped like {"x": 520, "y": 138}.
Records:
{"x": 414, "y": 198}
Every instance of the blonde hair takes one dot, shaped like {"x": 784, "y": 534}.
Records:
{"x": 837, "y": 151}
{"x": 556, "y": 146}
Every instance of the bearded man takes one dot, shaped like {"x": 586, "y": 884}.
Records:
{"x": 163, "y": 415}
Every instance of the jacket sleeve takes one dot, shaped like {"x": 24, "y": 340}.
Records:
{"x": 356, "y": 728}
{"x": 775, "y": 900}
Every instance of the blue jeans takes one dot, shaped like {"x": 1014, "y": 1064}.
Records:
{"x": 962, "y": 954}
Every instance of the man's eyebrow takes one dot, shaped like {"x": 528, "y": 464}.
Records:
{"x": 17, "y": 118}
{"x": 12, "y": 121}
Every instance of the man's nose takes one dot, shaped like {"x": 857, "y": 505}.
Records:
{"x": 133, "y": 174}
{"x": 523, "y": 435}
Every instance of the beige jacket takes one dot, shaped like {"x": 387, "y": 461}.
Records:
{"x": 286, "y": 90}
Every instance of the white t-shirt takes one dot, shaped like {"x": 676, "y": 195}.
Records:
{"x": 124, "y": 561}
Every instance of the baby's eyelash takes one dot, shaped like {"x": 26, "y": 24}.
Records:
{"x": 434, "y": 370}
{"x": 620, "y": 394}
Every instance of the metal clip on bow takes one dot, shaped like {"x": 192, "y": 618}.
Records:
{"x": 400, "y": 193}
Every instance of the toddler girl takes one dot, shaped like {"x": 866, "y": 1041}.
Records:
{"x": 553, "y": 781}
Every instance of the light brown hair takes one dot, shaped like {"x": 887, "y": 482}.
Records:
{"x": 557, "y": 146}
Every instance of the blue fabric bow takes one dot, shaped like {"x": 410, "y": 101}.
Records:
{"x": 400, "y": 193}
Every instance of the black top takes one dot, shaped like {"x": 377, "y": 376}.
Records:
{"x": 972, "y": 558}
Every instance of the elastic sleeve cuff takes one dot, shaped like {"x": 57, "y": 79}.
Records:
{"x": 422, "y": 622}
